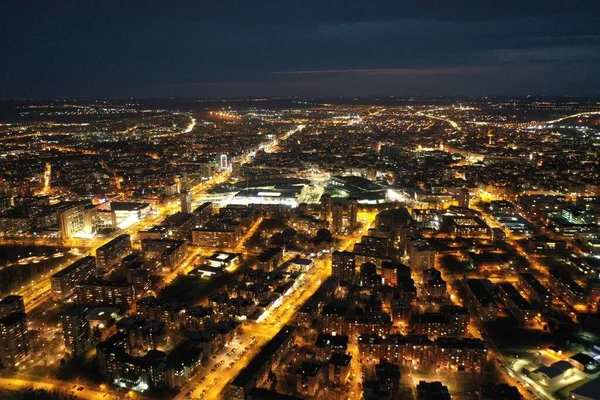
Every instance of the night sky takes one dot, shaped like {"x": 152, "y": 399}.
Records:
{"x": 221, "y": 48}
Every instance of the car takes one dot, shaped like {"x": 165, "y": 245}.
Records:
{"x": 74, "y": 387}
{"x": 81, "y": 389}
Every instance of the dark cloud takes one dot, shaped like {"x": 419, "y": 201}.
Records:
{"x": 311, "y": 47}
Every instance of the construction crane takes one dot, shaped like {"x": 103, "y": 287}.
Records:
{"x": 113, "y": 172}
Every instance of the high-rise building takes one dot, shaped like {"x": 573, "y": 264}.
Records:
{"x": 421, "y": 255}
{"x": 186, "y": 201}
{"x": 11, "y": 304}
{"x": 236, "y": 169}
{"x": 223, "y": 163}
{"x": 14, "y": 340}
{"x": 63, "y": 283}
{"x": 326, "y": 207}
{"x": 111, "y": 253}
{"x": 76, "y": 330}
{"x": 337, "y": 218}
{"x": 463, "y": 198}
{"x": 352, "y": 213}
{"x": 343, "y": 265}
{"x": 103, "y": 293}
{"x": 71, "y": 219}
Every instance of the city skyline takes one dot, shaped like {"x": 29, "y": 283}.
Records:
{"x": 293, "y": 200}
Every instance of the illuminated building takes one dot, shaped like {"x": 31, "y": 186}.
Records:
{"x": 171, "y": 189}
{"x": 198, "y": 318}
{"x": 276, "y": 196}
{"x": 479, "y": 298}
{"x": 99, "y": 293}
{"x": 169, "y": 312}
{"x": 518, "y": 306}
{"x": 539, "y": 295}
{"x": 326, "y": 207}
{"x": 11, "y": 304}
{"x": 186, "y": 201}
{"x": 551, "y": 375}
{"x": 394, "y": 219}
{"x": 315, "y": 305}
{"x": 502, "y": 207}
{"x": 171, "y": 252}
{"x": 546, "y": 246}
{"x": 76, "y": 330}
{"x": 343, "y": 265}
{"x": 203, "y": 213}
{"x": 216, "y": 237}
{"x": 463, "y": 198}
{"x": 65, "y": 281}
{"x": 156, "y": 232}
{"x": 373, "y": 245}
{"x": 393, "y": 152}
{"x": 236, "y": 169}
{"x": 129, "y": 212}
{"x": 388, "y": 378}
{"x": 587, "y": 391}
{"x": 179, "y": 225}
{"x": 327, "y": 344}
{"x": 338, "y": 368}
{"x": 391, "y": 271}
{"x": 111, "y": 253}
{"x": 105, "y": 220}
{"x": 127, "y": 371}
{"x": 71, "y": 218}
{"x": 432, "y": 391}
{"x": 337, "y": 218}
{"x": 499, "y": 391}
{"x": 267, "y": 359}
{"x": 14, "y": 340}
{"x": 223, "y": 164}
{"x": 432, "y": 325}
{"x": 420, "y": 254}
{"x": 143, "y": 335}
{"x": 469, "y": 227}
{"x": 183, "y": 362}
{"x": 376, "y": 322}
{"x": 443, "y": 353}
{"x": 270, "y": 258}
{"x": 458, "y": 318}
{"x": 569, "y": 290}
{"x": 436, "y": 287}
{"x": 307, "y": 378}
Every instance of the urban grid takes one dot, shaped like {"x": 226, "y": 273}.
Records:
{"x": 325, "y": 247}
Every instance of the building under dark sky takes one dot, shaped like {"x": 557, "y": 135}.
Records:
{"x": 305, "y": 47}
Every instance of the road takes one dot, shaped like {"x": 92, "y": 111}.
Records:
{"x": 212, "y": 381}
{"x": 38, "y": 292}
{"x": 78, "y": 391}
